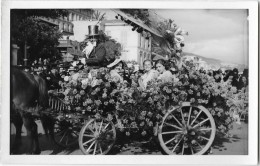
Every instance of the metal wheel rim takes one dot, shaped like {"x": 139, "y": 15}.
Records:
{"x": 65, "y": 133}
{"x": 94, "y": 142}
{"x": 212, "y": 135}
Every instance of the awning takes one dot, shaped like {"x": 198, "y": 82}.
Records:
{"x": 138, "y": 22}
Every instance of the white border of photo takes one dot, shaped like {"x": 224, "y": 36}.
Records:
{"x": 250, "y": 159}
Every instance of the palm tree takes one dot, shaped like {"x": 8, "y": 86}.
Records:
{"x": 98, "y": 16}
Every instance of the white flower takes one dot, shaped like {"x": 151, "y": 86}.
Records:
{"x": 66, "y": 78}
{"x": 85, "y": 81}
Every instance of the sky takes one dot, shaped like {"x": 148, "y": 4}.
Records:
{"x": 213, "y": 33}
{"x": 220, "y": 34}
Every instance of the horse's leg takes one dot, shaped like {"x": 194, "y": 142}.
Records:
{"x": 18, "y": 123}
{"x": 32, "y": 133}
{"x": 48, "y": 126}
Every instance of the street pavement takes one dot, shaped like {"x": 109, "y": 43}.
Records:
{"x": 237, "y": 145}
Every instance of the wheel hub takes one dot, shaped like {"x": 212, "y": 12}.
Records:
{"x": 96, "y": 134}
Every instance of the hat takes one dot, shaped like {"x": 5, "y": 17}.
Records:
{"x": 116, "y": 61}
{"x": 93, "y": 31}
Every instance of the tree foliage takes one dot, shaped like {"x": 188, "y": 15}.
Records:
{"x": 41, "y": 37}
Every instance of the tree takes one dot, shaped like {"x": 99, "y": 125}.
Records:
{"x": 30, "y": 32}
{"x": 98, "y": 16}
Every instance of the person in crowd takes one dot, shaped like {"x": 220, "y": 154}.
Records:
{"x": 164, "y": 74}
{"x": 27, "y": 69}
{"x": 35, "y": 62}
{"x": 210, "y": 73}
{"x": 149, "y": 74}
{"x": 217, "y": 76}
{"x": 40, "y": 62}
{"x": 243, "y": 82}
{"x": 53, "y": 79}
{"x": 45, "y": 62}
{"x": 235, "y": 78}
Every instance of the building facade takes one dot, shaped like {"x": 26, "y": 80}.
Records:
{"x": 67, "y": 45}
{"x": 135, "y": 46}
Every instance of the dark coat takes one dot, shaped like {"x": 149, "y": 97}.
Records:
{"x": 97, "y": 57}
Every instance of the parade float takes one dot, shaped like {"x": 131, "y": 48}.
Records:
{"x": 97, "y": 111}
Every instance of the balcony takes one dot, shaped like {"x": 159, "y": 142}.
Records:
{"x": 65, "y": 43}
{"x": 66, "y": 27}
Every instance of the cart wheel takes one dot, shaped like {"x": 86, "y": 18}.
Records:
{"x": 65, "y": 134}
{"x": 187, "y": 130}
{"x": 97, "y": 137}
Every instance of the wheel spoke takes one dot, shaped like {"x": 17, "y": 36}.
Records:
{"x": 60, "y": 132}
{"x": 171, "y": 132}
{"x": 191, "y": 150}
{"x": 173, "y": 126}
{"x": 63, "y": 136}
{"x": 110, "y": 139}
{"x": 91, "y": 145}
{"x": 205, "y": 129}
{"x": 91, "y": 129}
{"x": 189, "y": 116}
{"x": 92, "y": 139}
{"x": 169, "y": 140}
{"x": 177, "y": 144}
{"x": 182, "y": 116}
{"x": 200, "y": 123}
{"x": 182, "y": 152}
{"x": 67, "y": 140}
{"x": 106, "y": 126}
{"x": 101, "y": 152}
{"x": 205, "y": 138}
{"x": 196, "y": 117}
{"x": 100, "y": 126}
{"x": 95, "y": 148}
{"x": 76, "y": 134}
{"x": 87, "y": 135}
{"x": 95, "y": 124}
{"x": 177, "y": 120}
{"x": 199, "y": 145}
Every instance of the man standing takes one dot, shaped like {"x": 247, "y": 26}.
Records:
{"x": 97, "y": 56}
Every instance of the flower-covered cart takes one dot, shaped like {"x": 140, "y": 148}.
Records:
{"x": 184, "y": 116}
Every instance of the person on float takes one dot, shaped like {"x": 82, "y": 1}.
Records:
{"x": 149, "y": 74}
{"x": 96, "y": 54}
{"x": 164, "y": 74}
{"x": 73, "y": 73}
{"x": 116, "y": 70}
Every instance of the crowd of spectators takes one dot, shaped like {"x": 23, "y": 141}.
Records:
{"x": 54, "y": 73}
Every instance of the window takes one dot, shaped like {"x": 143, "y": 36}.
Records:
{"x": 141, "y": 59}
{"x": 61, "y": 26}
{"x": 124, "y": 39}
{"x": 140, "y": 39}
{"x": 146, "y": 43}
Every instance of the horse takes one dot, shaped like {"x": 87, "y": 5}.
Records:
{"x": 28, "y": 92}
